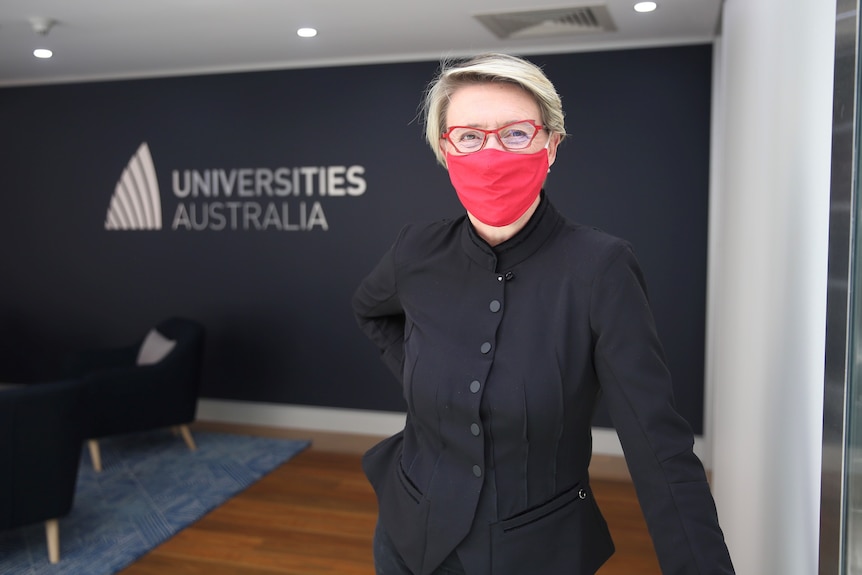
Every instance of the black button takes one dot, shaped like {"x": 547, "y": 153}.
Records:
{"x": 582, "y": 493}
{"x": 475, "y": 386}
{"x": 495, "y": 306}
{"x": 475, "y": 429}
{"x": 477, "y": 471}
{"x": 510, "y": 276}
{"x": 486, "y": 347}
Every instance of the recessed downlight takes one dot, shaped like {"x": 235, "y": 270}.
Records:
{"x": 645, "y": 6}
{"x": 306, "y": 32}
{"x": 43, "y": 53}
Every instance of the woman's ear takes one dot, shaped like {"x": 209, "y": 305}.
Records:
{"x": 552, "y": 148}
{"x": 443, "y": 154}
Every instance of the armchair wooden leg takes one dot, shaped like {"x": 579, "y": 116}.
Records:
{"x": 52, "y": 534}
{"x": 187, "y": 437}
{"x": 95, "y": 454}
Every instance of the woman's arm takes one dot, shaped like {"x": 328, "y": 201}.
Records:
{"x": 378, "y": 312}
{"x": 658, "y": 443}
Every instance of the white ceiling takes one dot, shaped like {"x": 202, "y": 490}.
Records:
{"x": 102, "y": 39}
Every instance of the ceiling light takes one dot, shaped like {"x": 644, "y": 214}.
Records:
{"x": 42, "y": 26}
{"x": 306, "y": 32}
{"x": 645, "y": 6}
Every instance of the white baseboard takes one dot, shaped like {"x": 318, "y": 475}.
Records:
{"x": 332, "y": 419}
{"x": 356, "y": 421}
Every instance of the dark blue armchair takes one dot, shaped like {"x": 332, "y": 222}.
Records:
{"x": 129, "y": 392}
{"x": 41, "y": 433}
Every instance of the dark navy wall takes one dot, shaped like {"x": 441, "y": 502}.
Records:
{"x": 270, "y": 270}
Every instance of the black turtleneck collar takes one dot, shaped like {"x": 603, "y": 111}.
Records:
{"x": 544, "y": 221}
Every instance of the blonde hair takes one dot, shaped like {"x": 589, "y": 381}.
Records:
{"x": 485, "y": 68}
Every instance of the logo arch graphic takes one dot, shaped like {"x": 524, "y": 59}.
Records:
{"x": 136, "y": 203}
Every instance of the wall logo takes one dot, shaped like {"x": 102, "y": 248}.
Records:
{"x": 240, "y": 199}
{"x": 136, "y": 203}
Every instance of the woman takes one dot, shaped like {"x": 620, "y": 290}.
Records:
{"x": 504, "y": 326}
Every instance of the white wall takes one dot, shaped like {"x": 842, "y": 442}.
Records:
{"x": 768, "y": 270}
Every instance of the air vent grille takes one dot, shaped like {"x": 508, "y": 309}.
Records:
{"x": 539, "y": 23}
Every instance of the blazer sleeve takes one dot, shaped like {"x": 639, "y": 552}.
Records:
{"x": 378, "y": 311}
{"x": 657, "y": 442}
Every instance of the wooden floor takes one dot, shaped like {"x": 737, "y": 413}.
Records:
{"x": 315, "y": 515}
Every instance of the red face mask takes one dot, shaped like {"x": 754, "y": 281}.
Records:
{"x": 497, "y": 187}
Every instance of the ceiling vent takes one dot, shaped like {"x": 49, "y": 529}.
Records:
{"x": 552, "y": 22}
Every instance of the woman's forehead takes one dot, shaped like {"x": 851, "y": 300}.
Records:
{"x": 490, "y": 104}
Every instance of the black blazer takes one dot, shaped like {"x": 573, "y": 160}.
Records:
{"x": 502, "y": 354}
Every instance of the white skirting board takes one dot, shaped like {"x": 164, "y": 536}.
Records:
{"x": 358, "y": 421}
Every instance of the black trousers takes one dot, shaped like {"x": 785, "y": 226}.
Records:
{"x": 387, "y": 561}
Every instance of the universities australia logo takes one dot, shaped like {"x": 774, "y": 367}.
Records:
{"x": 245, "y": 199}
{"x": 136, "y": 203}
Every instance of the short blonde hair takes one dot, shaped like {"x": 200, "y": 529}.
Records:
{"x": 485, "y": 68}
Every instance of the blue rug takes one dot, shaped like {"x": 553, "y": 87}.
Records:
{"x": 152, "y": 486}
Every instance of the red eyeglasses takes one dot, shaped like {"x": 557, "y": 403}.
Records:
{"x": 515, "y": 136}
